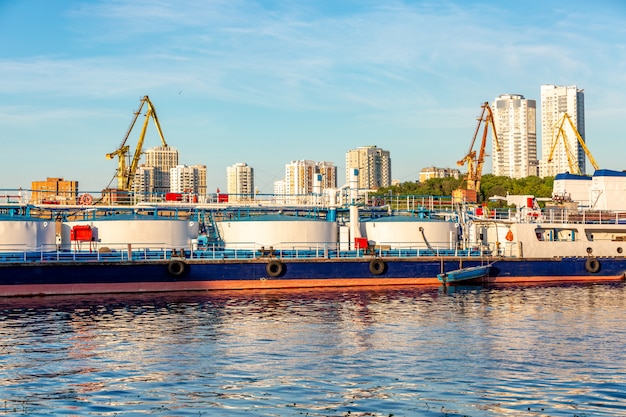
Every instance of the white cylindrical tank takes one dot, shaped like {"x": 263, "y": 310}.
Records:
{"x": 26, "y": 234}
{"x": 277, "y": 231}
{"x": 141, "y": 232}
{"x": 410, "y": 232}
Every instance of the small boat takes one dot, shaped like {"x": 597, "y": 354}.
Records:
{"x": 464, "y": 274}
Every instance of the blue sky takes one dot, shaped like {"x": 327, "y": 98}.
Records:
{"x": 268, "y": 82}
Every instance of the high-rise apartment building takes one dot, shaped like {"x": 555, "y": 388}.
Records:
{"x": 190, "y": 180}
{"x": 162, "y": 158}
{"x": 240, "y": 182}
{"x": 556, "y": 100}
{"x": 306, "y": 177}
{"x": 515, "y": 121}
{"x": 374, "y": 165}
{"x": 143, "y": 184}
{"x": 279, "y": 191}
{"x": 328, "y": 172}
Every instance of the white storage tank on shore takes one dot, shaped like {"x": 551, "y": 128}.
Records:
{"x": 410, "y": 232}
{"x": 117, "y": 232}
{"x": 277, "y": 231}
{"x": 26, "y": 234}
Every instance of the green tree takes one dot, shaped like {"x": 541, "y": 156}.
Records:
{"x": 490, "y": 186}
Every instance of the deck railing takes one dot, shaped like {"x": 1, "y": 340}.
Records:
{"x": 48, "y": 254}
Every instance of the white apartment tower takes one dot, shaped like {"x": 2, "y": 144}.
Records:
{"x": 162, "y": 158}
{"x": 240, "y": 182}
{"x": 305, "y": 177}
{"x": 556, "y": 100}
{"x": 279, "y": 192}
{"x": 515, "y": 120}
{"x": 188, "y": 179}
{"x": 143, "y": 184}
{"x": 374, "y": 165}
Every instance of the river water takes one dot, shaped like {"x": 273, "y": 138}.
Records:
{"x": 403, "y": 351}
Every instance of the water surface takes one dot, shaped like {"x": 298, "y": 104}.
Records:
{"x": 402, "y": 351}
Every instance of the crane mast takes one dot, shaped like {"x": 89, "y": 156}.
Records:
{"x": 476, "y": 160}
{"x": 127, "y": 167}
{"x": 573, "y": 166}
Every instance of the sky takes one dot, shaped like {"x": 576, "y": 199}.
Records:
{"x": 269, "y": 82}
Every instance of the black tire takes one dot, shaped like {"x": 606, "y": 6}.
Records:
{"x": 275, "y": 268}
{"x": 377, "y": 266}
{"x": 176, "y": 268}
{"x": 592, "y": 265}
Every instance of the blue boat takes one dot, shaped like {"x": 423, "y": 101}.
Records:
{"x": 464, "y": 274}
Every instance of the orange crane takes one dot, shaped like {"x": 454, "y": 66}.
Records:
{"x": 126, "y": 169}
{"x": 475, "y": 163}
{"x": 572, "y": 159}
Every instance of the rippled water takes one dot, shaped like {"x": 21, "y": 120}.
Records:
{"x": 518, "y": 351}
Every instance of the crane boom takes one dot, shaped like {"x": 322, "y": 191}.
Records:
{"x": 126, "y": 171}
{"x": 574, "y": 168}
{"x": 475, "y": 163}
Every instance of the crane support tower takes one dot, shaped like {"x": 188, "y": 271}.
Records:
{"x": 476, "y": 161}
{"x": 126, "y": 167}
{"x": 572, "y": 159}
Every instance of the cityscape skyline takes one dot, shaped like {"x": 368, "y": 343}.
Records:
{"x": 268, "y": 83}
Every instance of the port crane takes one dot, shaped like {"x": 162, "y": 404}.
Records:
{"x": 126, "y": 167}
{"x": 572, "y": 159}
{"x": 476, "y": 161}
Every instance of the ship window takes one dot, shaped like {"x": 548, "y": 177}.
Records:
{"x": 606, "y": 234}
{"x": 556, "y": 234}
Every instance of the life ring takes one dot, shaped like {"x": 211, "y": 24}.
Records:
{"x": 85, "y": 199}
{"x": 176, "y": 268}
{"x": 592, "y": 265}
{"x": 377, "y": 266}
{"x": 275, "y": 268}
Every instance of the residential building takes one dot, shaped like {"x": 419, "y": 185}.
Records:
{"x": 240, "y": 182}
{"x": 162, "y": 158}
{"x": 555, "y": 101}
{"x": 515, "y": 121}
{"x": 434, "y": 172}
{"x": 306, "y": 177}
{"x": 55, "y": 191}
{"x": 143, "y": 184}
{"x": 374, "y": 165}
{"x": 279, "y": 192}
{"x": 328, "y": 172}
{"x": 188, "y": 180}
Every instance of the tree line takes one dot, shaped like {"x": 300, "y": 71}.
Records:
{"x": 490, "y": 186}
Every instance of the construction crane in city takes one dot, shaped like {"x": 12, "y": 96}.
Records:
{"x": 474, "y": 160}
{"x": 572, "y": 159}
{"x": 126, "y": 167}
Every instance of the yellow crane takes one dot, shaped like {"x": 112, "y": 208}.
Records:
{"x": 475, "y": 163}
{"x": 572, "y": 159}
{"x": 126, "y": 170}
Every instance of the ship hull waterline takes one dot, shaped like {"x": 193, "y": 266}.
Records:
{"x": 40, "y": 278}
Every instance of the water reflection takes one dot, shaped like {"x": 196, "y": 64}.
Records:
{"x": 506, "y": 350}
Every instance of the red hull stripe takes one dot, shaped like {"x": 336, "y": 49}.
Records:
{"x": 140, "y": 287}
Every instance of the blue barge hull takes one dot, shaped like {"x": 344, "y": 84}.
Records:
{"x": 85, "y": 276}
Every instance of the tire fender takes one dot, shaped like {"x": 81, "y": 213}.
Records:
{"x": 592, "y": 265}
{"x": 176, "y": 268}
{"x": 377, "y": 266}
{"x": 275, "y": 268}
